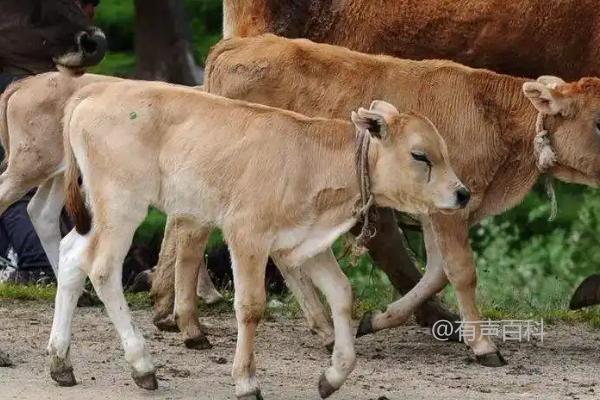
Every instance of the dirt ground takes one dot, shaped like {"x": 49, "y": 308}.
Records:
{"x": 405, "y": 363}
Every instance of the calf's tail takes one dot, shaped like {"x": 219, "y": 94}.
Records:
{"x": 75, "y": 203}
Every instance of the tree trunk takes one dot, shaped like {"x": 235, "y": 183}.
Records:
{"x": 162, "y": 43}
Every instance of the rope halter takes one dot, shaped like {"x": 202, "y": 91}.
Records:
{"x": 364, "y": 208}
{"x": 545, "y": 159}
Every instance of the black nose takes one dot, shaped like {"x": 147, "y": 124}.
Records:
{"x": 92, "y": 45}
{"x": 463, "y": 196}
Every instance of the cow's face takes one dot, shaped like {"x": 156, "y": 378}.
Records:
{"x": 410, "y": 168}
{"x": 573, "y": 125}
{"x": 57, "y": 31}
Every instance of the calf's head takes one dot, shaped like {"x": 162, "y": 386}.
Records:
{"x": 573, "y": 125}
{"x": 410, "y": 168}
{"x": 42, "y": 33}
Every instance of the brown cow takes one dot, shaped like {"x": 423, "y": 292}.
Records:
{"x": 557, "y": 37}
{"x": 521, "y": 38}
{"x": 476, "y": 109}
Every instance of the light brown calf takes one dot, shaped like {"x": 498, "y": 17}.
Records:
{"x": 487, "y": 119}
{"x": 31, "y": 113}
{"x": 274, "y": 181}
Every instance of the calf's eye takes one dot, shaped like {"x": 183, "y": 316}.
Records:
{"x": 421, "y": 157}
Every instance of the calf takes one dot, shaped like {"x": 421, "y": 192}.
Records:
{"x": 31, "y": 128}
{"x": 203, "y": 159}
{"x": 488, "y": 120}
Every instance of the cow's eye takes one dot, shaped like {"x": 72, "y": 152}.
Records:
{"x": 597, "y": 126}
{"x": 421, "y": 157}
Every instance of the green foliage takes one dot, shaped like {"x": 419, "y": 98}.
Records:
{"x": 116, "y": 18}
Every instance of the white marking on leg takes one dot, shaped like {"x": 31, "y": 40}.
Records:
{"x": 70, "y": 285}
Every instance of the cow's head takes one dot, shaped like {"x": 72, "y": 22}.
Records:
{"x": 41, "y": 33}
{"x": 410, "y": 168}
{"x": 573, "y": 125}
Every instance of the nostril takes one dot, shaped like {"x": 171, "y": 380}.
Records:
{"x": 87, "y": 44}
{"x": 463, "y": 196}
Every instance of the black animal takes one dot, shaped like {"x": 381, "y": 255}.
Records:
{"x": 37, "y": 35}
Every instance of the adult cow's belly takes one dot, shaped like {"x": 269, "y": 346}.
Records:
{"x": 296, "y": 245}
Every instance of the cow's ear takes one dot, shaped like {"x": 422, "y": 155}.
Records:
{"x": 373, "y": 122}
{"x": 376, "y": 119}
{"x": 545, "y": 95}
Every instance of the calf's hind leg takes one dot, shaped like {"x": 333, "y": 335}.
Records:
{"x": 71, "y": 280}
{"x": 108, "y": 244}
{"x": 44, "y": 211}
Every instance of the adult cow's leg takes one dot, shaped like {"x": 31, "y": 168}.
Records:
{"x": 190, "y": 252}
{"x": 432, "y": 282}
{"x": 304, "y": 291}
{"x": 249, "y": 264}
{"x": 388, "y": 251}
{"x": 452, "y": 236}
{"x": 71, "y": 280}
{"x": 44, "y": 211}
{"x": 327, "y": 275}
{"x": 108, "y": 244}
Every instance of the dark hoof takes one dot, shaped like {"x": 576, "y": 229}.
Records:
{"x": 587, "y": 294}
{"x": 167, "y": 324}
{"x": 198, "y": 343}
{"x": 252, "y": 396}
{"x": 145, "y": 381}
{"x": 88, "y": 299}
{"x": 366, "y": 325}
{"x": 5, "y": 360}
{"x": 141, "y": 283}
{"x": 491, "y": 360}
{"x": 62, "y": 374}
{"x": 325, "y": 388}
{"x": 329, "y": 347}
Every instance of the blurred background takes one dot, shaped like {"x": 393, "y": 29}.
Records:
{"x": 527, "y": 266}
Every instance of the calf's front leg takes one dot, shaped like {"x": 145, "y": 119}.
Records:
{"x": 452, "y": 236}
{"x": 189, "y": 254}
{"x": 249, "y": 265}
{"x": 327, "y": 275}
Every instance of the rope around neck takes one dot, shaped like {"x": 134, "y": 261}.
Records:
{"x": 546, "y": 159}
{"x": 363, "y": 141}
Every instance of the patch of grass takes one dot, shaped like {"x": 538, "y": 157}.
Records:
{"x": 11, "y": 291}
{"x": 116, "y": 64}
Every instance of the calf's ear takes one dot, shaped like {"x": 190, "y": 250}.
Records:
{"x": 376, "y": 119}
{"x": 545, "y": 96}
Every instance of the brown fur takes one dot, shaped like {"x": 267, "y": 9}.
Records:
{"x": 555, "y": 37}
{"x": 485, "y": 118}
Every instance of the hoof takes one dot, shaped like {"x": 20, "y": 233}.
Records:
{"x": 62, "y": 374}
{"x": 198, "y": 343}
{"x": 491, "y": 360}
{"x": 167, "y": 324}
{"x": 252, "y": 396}
{"x": 325, "y": 388}
{"x": 329, "y": 347}
{"x": 366, "y": 325}
{"x": 145, "y": 381}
